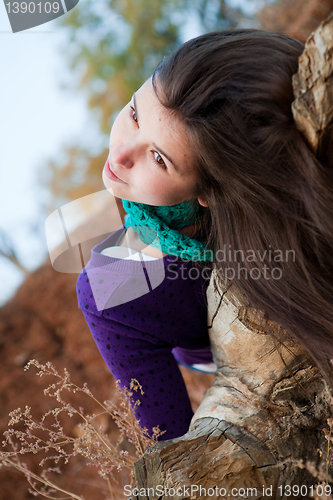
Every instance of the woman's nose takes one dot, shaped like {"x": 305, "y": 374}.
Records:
{"x": 123, "y": 156}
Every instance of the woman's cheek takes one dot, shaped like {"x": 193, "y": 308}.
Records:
{"x": 147, "y": 188}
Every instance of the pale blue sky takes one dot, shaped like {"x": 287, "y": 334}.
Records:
{"x": 36, "y": 119}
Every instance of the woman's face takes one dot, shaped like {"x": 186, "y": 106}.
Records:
{"x": 149, "y": 154}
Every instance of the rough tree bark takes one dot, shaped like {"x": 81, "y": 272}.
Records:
{"x": 313, "y": 89}
{"x": 267, "y": 407}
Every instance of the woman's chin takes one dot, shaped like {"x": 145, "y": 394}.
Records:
{"x": 117, "y": 190}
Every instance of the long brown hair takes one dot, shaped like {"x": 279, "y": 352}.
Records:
{"x": 268, "y": 196}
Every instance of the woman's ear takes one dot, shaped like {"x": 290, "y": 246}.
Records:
{"x": 202, "y": 201}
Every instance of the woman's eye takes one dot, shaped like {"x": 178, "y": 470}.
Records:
{"x": 135, "y": 118}
{"x": 159, "y": 159}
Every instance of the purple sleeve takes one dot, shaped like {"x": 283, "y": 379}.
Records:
{"x": 165, "y": 401}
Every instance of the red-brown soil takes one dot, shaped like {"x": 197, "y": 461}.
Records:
{"x": 296, "y": 18}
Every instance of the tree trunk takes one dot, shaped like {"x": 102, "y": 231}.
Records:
{"x": 265, "y": 412}
{"x": 313, "y": 89}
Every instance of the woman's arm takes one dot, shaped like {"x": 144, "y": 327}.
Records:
{"x": 128, "y": 355}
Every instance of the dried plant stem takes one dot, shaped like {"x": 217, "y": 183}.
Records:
{"x": 46, "y": 482}
{"x": 110, "y": 490}
{"x": 93, "y": 443}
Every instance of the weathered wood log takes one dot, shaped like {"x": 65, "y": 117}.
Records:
{"x": 234, "y": 458}
{"x": 313, "y": 90}
{"x": 268, "y": 403}
{"x": 265, "y": 412}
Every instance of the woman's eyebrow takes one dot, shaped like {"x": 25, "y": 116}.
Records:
{"x": 154, "y": 145}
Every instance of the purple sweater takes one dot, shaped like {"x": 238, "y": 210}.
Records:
{"x": 138, "y": 312}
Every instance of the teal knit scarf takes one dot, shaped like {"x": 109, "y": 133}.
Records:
{"x": 158, "y": 227}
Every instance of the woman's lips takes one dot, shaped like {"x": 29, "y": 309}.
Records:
{"x": 110, "y": 174}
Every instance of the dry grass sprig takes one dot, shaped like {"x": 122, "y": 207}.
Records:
{"x": 47, "y": 434}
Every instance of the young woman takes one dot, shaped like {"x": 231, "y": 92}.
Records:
{"x": 211, "y": 136}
